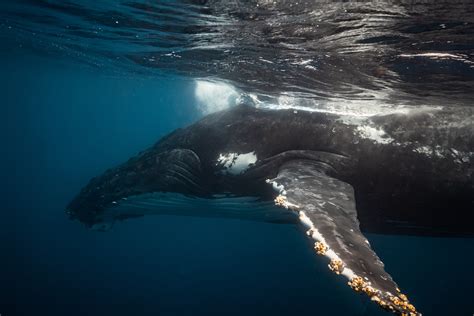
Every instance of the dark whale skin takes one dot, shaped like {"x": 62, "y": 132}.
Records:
{"x": 418, "y": 180}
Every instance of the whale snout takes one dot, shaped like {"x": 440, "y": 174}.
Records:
{"x": 176, "y": 170}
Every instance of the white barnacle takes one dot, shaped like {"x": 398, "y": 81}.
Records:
{"x": 281, "y": 200}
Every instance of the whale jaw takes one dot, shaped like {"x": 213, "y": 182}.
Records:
{"x": 176, "y": 170}
{"x": 218, "y": 206}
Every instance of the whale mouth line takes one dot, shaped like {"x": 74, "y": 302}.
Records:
{"x": 169, "y": 203}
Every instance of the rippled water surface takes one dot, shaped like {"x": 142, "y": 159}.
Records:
{"x": 312, "y": 54}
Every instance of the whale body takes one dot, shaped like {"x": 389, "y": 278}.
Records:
{"x": 406, "y": 172}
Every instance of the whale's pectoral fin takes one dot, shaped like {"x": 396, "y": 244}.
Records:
{"x": 327, "y": 206}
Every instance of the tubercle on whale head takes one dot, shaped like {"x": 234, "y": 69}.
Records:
{"x": 175, "y": 170}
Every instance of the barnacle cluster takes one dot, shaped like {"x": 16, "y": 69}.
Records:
{"x": 370, "y": 291}
{"x": 399, "y": 302}
{"x": 408, "y": 308}
{"x": 403, "y": 297}
{"x": 280, "y": 200}
{"x": 321, "y": 248}
{"x": 357, "y": 283}
{"x": 336, "y": 266}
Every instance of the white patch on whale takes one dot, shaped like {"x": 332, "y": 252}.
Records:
{"x": 429, "y": 151}
{"x": 280, "y": 188}
{"x": 215, "y": 96}
{"x": 461, "y": 156}
{"x": 440, "y": 152}
{"x": 235, "y": 163}
{"x": 375, "y": 134}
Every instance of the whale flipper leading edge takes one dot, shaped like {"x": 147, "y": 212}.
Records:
{"x": 327, "y": 207}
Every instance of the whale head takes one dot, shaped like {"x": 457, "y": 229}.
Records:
{"x": 168, "y": 171}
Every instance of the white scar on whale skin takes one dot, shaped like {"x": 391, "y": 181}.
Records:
{"x": 277, "y": 187}
{"x": 235, "y": 163}
{"x": 375, "y": 134}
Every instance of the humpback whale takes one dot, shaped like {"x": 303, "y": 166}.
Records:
{"x": 408, "y": 172}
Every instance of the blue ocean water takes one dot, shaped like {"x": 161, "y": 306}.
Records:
{"x": 64, "y": 122}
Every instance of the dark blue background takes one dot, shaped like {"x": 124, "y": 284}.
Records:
{"x": 63, "y": 123}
